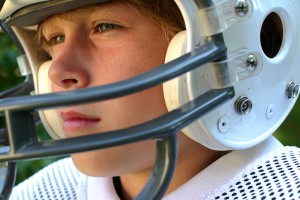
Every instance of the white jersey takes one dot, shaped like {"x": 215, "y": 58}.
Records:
{"x": 266, "y": 171}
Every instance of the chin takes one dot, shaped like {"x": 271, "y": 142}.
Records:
{"x": 116, "y": 161}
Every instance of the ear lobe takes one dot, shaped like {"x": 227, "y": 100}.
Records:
{"x": 50, "y": 118}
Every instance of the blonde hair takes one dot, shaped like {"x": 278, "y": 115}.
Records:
{"x": 165, "y": 13}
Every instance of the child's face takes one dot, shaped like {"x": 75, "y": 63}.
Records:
{"x": 102, "y": 45}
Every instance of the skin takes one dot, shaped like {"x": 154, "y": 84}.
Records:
{"x": 84, "y": 57}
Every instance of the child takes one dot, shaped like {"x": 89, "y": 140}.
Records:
{"x": 113, "y": 41}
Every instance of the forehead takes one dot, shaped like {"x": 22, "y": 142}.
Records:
{"x": 103, "y": 8}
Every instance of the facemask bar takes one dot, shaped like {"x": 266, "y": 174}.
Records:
{"x": 24, "y": 142}
{"x": 19, "y": 108}
{"x": 162, "y": 129}
{"x": 9, "y": 168}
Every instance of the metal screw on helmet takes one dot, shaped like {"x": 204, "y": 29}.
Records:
{"x": 243, "y": 105}
{"x": 292, "y": 90}
{"x": 251, "y": 63}
{"x": 241, "y": 8}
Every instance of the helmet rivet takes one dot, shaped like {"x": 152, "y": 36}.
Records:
{"x": 251, "y": 63}
{"x": 243, "y": 105}
{"x": 292, "y": 90}
{"x": 241, "y": 8}
{"x": 270, "y": 111}
{"x": 224, "y": 124}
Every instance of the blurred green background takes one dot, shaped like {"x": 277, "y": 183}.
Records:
{"x": 288, "y": 133}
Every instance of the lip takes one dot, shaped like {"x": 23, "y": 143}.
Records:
{"x": 74, "y": 121}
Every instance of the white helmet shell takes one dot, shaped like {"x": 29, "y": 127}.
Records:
{"x": 23, "y": 13}
{"x": 261, "y": 101}
{"x": 10, "y": 7}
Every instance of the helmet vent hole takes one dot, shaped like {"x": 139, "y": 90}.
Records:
{"x": 271, "y": 35}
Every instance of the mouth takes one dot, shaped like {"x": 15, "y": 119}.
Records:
{"x": 74, "y": 121}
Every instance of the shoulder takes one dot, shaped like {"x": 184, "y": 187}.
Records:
{"x": 261, "y": 172}
{"x": 274, "y": 175}
{"x": 58, "y": 180}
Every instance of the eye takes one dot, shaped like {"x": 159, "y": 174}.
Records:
{"x": 105, "y": 27}
{"x": 57, "y": 39}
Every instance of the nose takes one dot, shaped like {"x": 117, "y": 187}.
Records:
{"x": 68, "y": 70}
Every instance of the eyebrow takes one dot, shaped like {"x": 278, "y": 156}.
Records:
{"x": 69, "y": 16}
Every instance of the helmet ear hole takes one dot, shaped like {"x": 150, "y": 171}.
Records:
{"x": 50, "y": 118}
{"x": 271, "y": 35}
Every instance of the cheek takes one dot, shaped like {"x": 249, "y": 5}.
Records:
{"x": 139, "y": 108}
{"x": 129, "y": 60}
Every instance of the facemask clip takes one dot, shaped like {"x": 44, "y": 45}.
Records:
{"x": 240, "y": 65}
